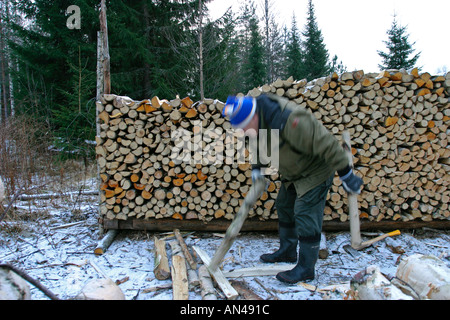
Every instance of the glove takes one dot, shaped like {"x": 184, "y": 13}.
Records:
{"x": 351, "y": 182}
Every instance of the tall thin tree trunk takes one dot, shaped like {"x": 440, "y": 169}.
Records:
{"x": 4, "y": 69}
{"x": 106, "y": 57}
{"x": 200, "y": 39}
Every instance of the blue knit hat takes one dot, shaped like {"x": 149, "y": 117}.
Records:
{"x": 239, "y": 110}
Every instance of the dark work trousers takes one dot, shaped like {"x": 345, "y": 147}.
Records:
{"x": 304, "y": 213}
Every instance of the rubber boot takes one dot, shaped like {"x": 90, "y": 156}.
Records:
{"x": 307, "y": 257}
{"x": 288, "y": 247}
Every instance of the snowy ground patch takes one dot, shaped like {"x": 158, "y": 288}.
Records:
{"x": 40, "y": 242}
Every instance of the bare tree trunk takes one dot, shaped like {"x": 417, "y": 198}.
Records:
{"x": 200, "y": 39}
{"x": 106, "y": 57}
{"x": 3, "y": 66}
{"x": 100, "y": 79}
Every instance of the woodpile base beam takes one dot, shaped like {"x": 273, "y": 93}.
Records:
{"x": 163, "y": 225}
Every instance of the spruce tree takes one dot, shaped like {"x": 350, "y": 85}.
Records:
{"x": 221, "y": 62}
{"x": 294, "y": 57}
{"x": 255, "y": 69}
{"x": 252, "y": 55}
{"x": 55, "y": 76}
{"x": 399, "y": 49}
{"x": 315, "y": 59}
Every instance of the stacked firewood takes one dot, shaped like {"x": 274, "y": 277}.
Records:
{"x": 397, "y": 121}
{"x": 157, "y": 159}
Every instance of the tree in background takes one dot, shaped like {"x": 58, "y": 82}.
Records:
{"x": 336, "y": 66}
{"x": 251, "y": 49}
{"x": 399, "y": 49}
{"x": 255, "y": 70}
{"x": 294, "y": 56}
{"x": 6, "y": 62}
{"x": 274, "y": 43}
{"x": 154, "y": 50}
{"x": 315, "y": 55}
{"x": 55, "y": 75}
{"x": 221, "y": 61}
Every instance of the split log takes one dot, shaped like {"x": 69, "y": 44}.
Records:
{"x": 245, "y": 291}
{"x": 265, "y": 270}
{"x": 186, "y": 253}
{"x": 179, "y": 278}
{"x": 192, "y": 275}
{"x": 427, "y": 276}
{"x": 370, "y": 284}
{"x": 208, "y": 292}
{"x": 217, "y": 275}
{"x": 161, "y": 262}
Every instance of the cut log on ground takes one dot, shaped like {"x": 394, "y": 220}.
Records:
{"x": 207, "y": 286}
{"x": 217, "y": 275}
{"x": 105, "y": 242}
{"x": 184, "y": 248}
{"x": 100, "y": 289}
{"x": 192, "y": 275}
{"x": 12, "y": 286}
{"x": 161, "y": 268}
{"x": 259, "y": 271}
{"x": 180, "y": 285}
{"x": 426, "y": 276}
{"x": 370, "y": 284}
{"x": 245, "y": 291}
{"x": 323, "y": 251}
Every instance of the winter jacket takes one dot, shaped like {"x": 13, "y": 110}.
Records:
{"x": 308, "y": 153}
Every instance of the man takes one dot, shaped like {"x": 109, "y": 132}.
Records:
{"x": 309, "y": 156}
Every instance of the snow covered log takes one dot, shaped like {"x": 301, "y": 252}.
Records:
{"x": 427, "y": 276}
{"x": 370, "y": 284}
{"x": 398, "y": 122}
{"x": 100, "y": 289}
{"x": 12, "y": 286}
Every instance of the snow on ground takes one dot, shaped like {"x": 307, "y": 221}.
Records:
{"x": 60, "y": 257}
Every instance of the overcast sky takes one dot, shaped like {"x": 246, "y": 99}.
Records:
{"x": 355, "y": 29}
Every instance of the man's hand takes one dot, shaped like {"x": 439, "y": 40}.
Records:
{"x": 352, "y": 183}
